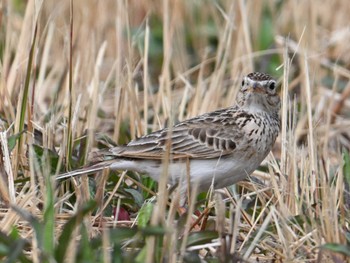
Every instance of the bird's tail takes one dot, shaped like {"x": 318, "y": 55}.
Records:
{"x": 86, "y": 170}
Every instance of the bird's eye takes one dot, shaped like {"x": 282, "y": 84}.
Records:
{"x": 243, "y": 83}
{"x": 272, "y": 85}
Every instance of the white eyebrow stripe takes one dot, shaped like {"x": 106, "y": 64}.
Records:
{"x": 263, "y": 82}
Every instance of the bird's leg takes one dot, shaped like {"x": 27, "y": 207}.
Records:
{"x": 204, "y": 215}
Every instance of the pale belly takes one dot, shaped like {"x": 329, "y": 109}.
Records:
{"x": 203, "y": 173}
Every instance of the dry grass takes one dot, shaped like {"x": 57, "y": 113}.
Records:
{"x": 135, "y": 66}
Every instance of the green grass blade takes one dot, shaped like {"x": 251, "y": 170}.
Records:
{"x": 68, "y": 229}
{"x": 27, "y": 82}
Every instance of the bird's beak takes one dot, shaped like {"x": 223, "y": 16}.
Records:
{"x": 256, "y": 88}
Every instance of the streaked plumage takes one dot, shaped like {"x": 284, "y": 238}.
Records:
{"x": 222, "y": 146}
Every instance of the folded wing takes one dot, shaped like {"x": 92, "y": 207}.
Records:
{"x": 208, "y": 136}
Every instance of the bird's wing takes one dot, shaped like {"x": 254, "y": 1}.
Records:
{"x": 208, "y": 136}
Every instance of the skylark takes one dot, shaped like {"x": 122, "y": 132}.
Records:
{"x": 218, "y": 148}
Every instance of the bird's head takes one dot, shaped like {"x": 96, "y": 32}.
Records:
{"x": 259, "y": 93}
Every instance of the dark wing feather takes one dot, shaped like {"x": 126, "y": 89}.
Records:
{"x": 208, "y": 136}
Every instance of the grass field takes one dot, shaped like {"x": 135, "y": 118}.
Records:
{"x": 81, "y": 75}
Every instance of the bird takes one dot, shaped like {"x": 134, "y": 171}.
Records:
{"x": 215, "y": 149}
